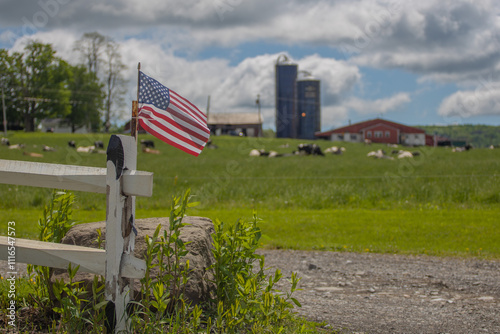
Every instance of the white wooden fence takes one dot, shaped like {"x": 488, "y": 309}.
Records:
{"x": 121, "y": 183}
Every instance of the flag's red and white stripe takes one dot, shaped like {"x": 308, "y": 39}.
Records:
{"x": 182, "y": 125}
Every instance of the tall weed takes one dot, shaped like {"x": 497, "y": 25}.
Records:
{"x": 246, "y": 299}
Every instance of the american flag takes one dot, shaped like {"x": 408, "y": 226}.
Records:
{"x": 170, "y": 117}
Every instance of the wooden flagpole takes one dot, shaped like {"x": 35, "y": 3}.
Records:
{"x": 135, "y": 107}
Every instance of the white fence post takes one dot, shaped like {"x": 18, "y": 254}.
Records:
{"x": 121, "y": 182}
{"x": 120, "y": 231}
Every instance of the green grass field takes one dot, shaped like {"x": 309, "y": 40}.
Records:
{"x": 439, "y": 203}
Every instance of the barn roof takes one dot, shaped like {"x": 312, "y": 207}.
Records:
{"x": 359, "y": 127}
{"x": 234, "y": 118}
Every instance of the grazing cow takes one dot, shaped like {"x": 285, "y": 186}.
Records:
{"x": 270, "y": 154}
{"x": 5, "y": 141}
{"x": 150, "y": 150}
{"x": 461, "y": 149}
{"x": 404, "y": 154}
{"x": 274, "y": 154}
{"x": 72, "y": 143}
{"x": 309, "y": 149}
{"x": 379, "y": 154}
{"x": 16, "y": 146}
{"x": 254, "y": 153}
{"x": 48, "y": 148}
{"x": 148, "y": 143}
{"x": 99, "y": 144}
{"x": 85, "y": 149}
{"x": 34, "y": 155}
{"x": 368, "y": 141}
{"x": 335, "y": 150}
{"x": 263, "y": 153}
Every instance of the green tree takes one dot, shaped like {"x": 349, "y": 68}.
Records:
{"x": 7, "y": 85}
{"x": 41, "y": 82}
{"x": 86, "y": 99}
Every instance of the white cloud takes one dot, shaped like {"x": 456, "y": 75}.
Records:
{"x": 338, "y": 77}
{"x": 441, "y": 40}
{"x": 8, "y": 37}
{"x": 378, "y": 106}
{"x": 333, "y": 117}
{"x": 232, "y": 88}
{"x": 447, "y": 41}
{"x": 61, "y": 40}
{"x": 484, "y": 100}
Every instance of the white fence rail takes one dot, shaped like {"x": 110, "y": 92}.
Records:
{"x": 121, "y": 183}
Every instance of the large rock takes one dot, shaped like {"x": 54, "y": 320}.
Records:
{"x": 197, "y": 234}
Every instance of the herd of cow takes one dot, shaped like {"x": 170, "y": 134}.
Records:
{"x": 148, "y": 146}
{"x": 98, "y": 147}
{"x": 401, "y": 154}
{"x": 302, "y": 149}
{"x": 314, "y": 149}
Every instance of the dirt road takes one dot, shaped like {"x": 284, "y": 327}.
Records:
{"x": 380, "y": 293}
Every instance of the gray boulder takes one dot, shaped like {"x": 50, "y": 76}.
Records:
{"x": 197, "y": 234}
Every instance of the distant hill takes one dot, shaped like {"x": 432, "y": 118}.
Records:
{"x": 476, "y": 135}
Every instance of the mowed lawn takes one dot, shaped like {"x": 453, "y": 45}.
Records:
{"x": 439, "y": 203}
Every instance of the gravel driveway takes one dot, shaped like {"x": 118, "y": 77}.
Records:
{"x": 381, "y": 293}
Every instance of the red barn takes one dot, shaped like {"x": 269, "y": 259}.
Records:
{"x": 378, "y": 131}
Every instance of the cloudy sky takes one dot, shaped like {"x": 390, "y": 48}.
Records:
{"x": 417, "y": 62}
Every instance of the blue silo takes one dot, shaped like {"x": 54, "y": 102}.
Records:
{"x": 286, "y": 113}
{"x": 308, "y": 106}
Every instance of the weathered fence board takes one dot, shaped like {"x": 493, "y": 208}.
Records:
{"x": 121, "y": 182}
{"x": 90, "y": 260}
{"x": 69, "y": 177}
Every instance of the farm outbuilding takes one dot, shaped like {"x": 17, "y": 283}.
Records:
{"x": 378, "y": 131}
{"x": 244, "y": 124}
{"x": 60, "y": 125}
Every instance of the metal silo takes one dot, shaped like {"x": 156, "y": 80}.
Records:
{"x": 286, "y": 119}
{"x": 308, "y": 106}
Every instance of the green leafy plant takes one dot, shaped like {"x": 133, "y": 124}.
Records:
{"x": 69, "y": 300}
{"x": 70, "y": 297}
{"x": 162, "y": 304}
{"x": 245, "y": 297}
{"x": 52, "y": 227}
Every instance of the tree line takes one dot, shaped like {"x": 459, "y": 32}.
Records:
{"x": 477, "y": 135}
{"x": 37, "y": 84}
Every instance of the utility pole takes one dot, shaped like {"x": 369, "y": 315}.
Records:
{"x": 4, "y": 114}
{"x": 208, "y": 106}
{"x": 258, "y": 103}
{"x": 260, "y": 117}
